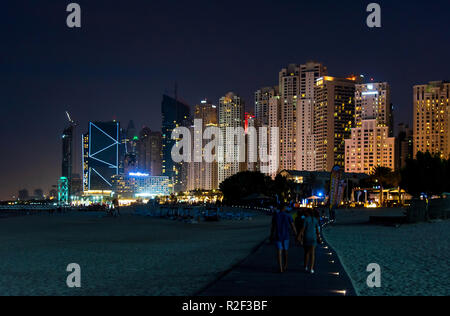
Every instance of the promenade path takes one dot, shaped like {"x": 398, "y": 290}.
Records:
{"x": 258, "y": 275}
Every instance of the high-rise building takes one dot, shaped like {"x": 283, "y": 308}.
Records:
{"x": 149, "y": 152}
{"x": 272, "y": 166}
{"x": 432, "y": 118}
{"x": 262, "y": 99}
{"x": 131, "y": 137}
{"x": 231, "y": 115}
{"x": 289, "y": 87}
{"x": 305, "y": 144}
{"x": 174, "y": 114}
{"x": 203, "y": 175}
{"x": 101, "y": 155}
{"x": 251, "y": 142}
{"x": 373, "y": 101}
{"x": 369, "y": 147}
{"x": 404, "y": 146}
{"x": 333, "y": 119}
{"x": 67, "y": 155}
{"x": 371, "y": 143}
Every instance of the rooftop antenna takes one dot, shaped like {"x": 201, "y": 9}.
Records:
{"x": 72, "y": 122}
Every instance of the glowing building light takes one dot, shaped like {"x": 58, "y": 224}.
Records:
{"x": 370, "y": 93}
{"x": 138, "y": 174}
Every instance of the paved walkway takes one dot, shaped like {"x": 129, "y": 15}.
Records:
{"x": 257, "y": 276}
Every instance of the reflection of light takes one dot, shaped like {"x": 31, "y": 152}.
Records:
{"x": 343, "y": 292}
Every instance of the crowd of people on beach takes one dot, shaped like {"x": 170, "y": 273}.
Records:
{"x": 305, "y": 224}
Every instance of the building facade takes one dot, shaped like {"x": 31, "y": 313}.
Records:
{"x": 231, "y": 113}
{"x": 101, "y": 155}
{"x": 334, "y": 111}
{"x": 262, "y": 100}
{"x": 67, "y": 155}
{"x": 141, "y": 185}
{"x": 373, "y": 101}
{"x": 149, "y": 152}
{"x": 404, "y": 146}
{"x": 289, "y": 88}
{"x": 174, "y": 114}
{"x": 203, "y": 175}
{"x": 432, "y": 118}
{"x": 305, "y": 158}
{"x": 369, "y": 147}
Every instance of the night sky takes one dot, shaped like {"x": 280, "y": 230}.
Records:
{"x": 128, "y": 53}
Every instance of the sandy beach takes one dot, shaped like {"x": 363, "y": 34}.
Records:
{"x": 413, "y": 258}
{"x": 131, "y": 255}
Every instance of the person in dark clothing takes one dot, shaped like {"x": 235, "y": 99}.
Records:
{"x": 282, "y": 223}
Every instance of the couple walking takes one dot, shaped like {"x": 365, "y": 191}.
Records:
{"x": 307, "y": 235}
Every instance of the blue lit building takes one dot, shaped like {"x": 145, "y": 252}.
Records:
{"x": 141, "y": 185}
{"x": 102, "y": 152}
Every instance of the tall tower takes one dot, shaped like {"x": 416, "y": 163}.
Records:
{"x": 149, "y": 153}
{"x": 371, "y": 143}
{"x": 333, "y": 120}
{"x": 262, "y": 99}
{"x": 305, "y": 144}
{"x": 174, "y": 114}
{"x": 231, "y": 115}
{"x": 67, "y": 154}
{"x": 289, "y": 87}
{"x": 373, "y": 102}
{"x": 203, "y": 175}
{"x": 432, "y": 118}
{"x": 101, "y": 155}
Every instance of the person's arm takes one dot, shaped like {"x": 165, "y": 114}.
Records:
{"x": 300, "y": 235}
{"x": 272, "y": 229}
{"x": 319, "y": 237}
{"x": 294, "y": 229}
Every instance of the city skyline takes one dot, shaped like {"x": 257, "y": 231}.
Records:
{"x": 132, "y": 88}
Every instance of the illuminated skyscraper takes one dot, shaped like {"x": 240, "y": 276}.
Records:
{"x": 289, "y": 87}
{"x": 67, "y": 155}
{"x": 101, "y": 155}
{"x": 174, "y": 114}
{"x": 305, "y": 143}
{"x": 251, "y": 142}
{"x": 203, "y": 175}
{"x": 262, "y": 99}
{"x": 369, "y": 147}
{"x": 149, "y": 152}
{"x": 371, "y": 144}
{"x": 373, "y": 101}
{"x": 432, "y": 118}
{"x": 333, "y": 119}
{"x": 231, "y": 115}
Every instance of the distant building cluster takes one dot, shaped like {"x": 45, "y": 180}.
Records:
{"x": 323, "y": 121}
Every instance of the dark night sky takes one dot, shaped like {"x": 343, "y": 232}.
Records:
{"x": 128, "y": 53}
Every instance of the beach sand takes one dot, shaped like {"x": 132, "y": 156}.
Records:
{"x": 130, "y": 255}
{"x": 413, "y": 258}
